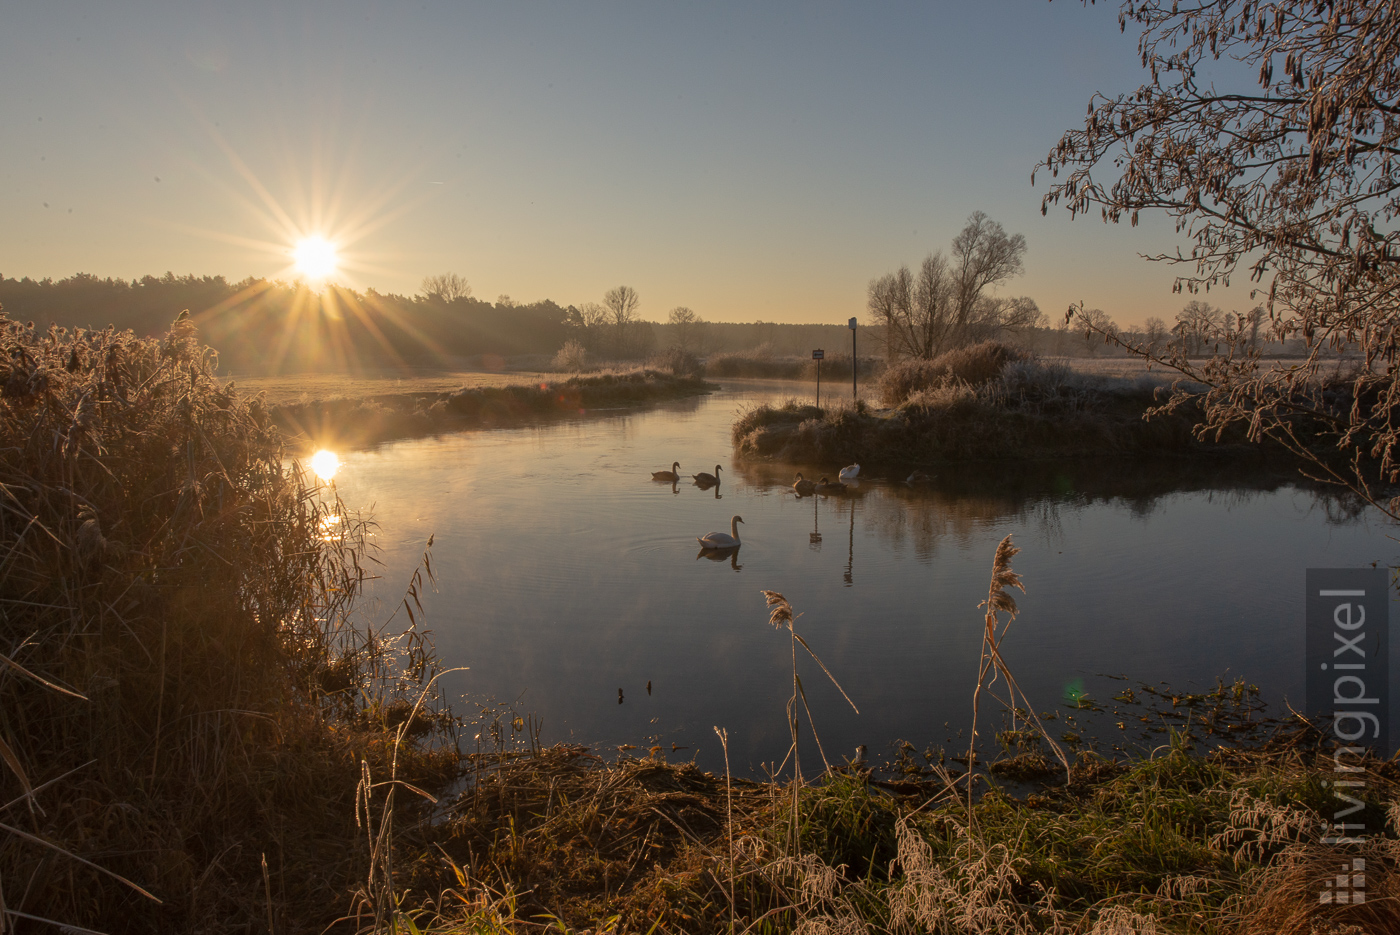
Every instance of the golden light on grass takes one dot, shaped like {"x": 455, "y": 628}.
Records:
{"x": 315, "y": 258}
{"x": 325, "y": 463}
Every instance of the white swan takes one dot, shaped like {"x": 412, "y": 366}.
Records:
{"x": 706, "y": 480}
{"x": 801, "y": 486}
{"x": 670, "y": 475}
{"x": 718, "y": 540}
{"x": 849, "y": 472}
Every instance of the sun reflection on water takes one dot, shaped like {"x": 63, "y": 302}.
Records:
{"x": 330, "y": 528}
{"x": 325, "y": 463}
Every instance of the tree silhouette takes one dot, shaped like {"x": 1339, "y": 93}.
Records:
{"x": 446, "y": 287}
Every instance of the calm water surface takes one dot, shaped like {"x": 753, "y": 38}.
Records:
{"x": 565, "y": 574}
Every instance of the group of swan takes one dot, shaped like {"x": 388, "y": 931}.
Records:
{"x": 719, "y": 540}
{"x": 714, "y": 540}
{"x": 673, "y": 475}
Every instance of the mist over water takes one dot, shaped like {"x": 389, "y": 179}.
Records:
{"x": 565, "y": 574}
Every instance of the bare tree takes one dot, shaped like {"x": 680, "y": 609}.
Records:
{"x": 683, "y": 324}
{"x": 1294, "y": 180}
{"x": 1097, "y": 324}
{"x": 1003, "y": 316}
{"x": 446, "y": 287}
{"x": 593, "y": 316}
{"x": 1154, "y": 333}
{"x": 945, "y": 305}
{"x": 983, "y": 256}
{"x": 1253, "y": 319}
{"x": 621, "y": 305}
{"x": 1199, "y": 324}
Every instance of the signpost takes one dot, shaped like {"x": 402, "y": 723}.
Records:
{"x": 817, "y": 355}
{"x": 852, "y": 325}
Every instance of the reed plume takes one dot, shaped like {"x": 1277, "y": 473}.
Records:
{"x": 781, "y": 616}
{"x": 992, "y": 665}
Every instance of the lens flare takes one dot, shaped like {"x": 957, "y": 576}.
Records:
{"x": 315, "y": 258}
{"x": 325, "y": 464}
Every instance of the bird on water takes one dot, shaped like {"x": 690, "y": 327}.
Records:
{"x": 718, "y": 540}
{"x": 707, "y": 480}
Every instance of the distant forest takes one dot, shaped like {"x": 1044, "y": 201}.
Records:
{"x": 263, "y": 326}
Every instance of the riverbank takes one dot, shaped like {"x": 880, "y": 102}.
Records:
{"x": 352, "y": 421}
{"x": 1020, "y": 411}
{"x": 1189, "y": 839}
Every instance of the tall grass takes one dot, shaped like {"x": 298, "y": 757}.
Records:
{"x": 185, "y": 696}
{"x": 970, "y": 366}
{"x": 1029, "y": 411}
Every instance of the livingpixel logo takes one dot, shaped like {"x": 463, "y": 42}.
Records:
{"x": 1348, "y": 693}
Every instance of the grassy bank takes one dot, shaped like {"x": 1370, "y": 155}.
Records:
{"x": 1002, "y": 408}
{"x": 1188, "y": 840}
{"x": 349, "y": 421}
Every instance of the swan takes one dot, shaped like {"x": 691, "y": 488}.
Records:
{"x": 827, "y": 486}
{"x": 850, "y": 472}
{"x": 670, "y": 475}
{"x": 918, "y": 477}
{"x": 707, "y": 480}
{"x": 718, "y": 540}
{"x": 801, "y": 486}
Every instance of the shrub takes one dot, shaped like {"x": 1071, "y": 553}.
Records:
{"x": 572, "y": 358}
{"x": 678, "y": 362}
{"x": 973, "y": 365}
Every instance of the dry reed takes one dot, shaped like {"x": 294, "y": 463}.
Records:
{"x": 188, "y": 705}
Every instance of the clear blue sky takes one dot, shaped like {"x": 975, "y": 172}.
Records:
{"x": 749, "y": 160}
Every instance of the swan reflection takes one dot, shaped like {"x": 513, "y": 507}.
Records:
{"x": 719, "y": 555}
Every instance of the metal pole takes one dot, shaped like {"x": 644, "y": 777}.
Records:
{"x": 819, "y": 382}
{"x": 852, "y": 325}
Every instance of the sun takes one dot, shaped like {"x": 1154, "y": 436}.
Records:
{"x": 315, "y": 258}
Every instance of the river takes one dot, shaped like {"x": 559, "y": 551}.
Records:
{"x": 568, "y": 580}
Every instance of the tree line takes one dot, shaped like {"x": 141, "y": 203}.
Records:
{"x": 267, "y": 326}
